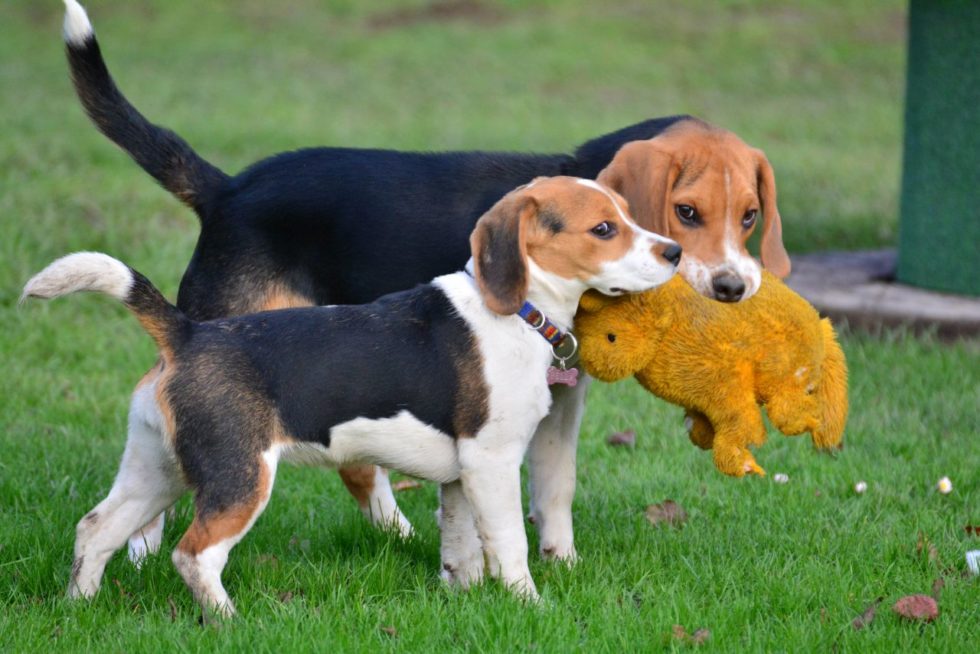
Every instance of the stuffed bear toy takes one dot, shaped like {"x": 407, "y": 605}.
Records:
{"x": 720, "y": 361}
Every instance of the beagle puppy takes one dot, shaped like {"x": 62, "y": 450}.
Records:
{"x": 443, "y": 382}
{"x": 332, "y": 225}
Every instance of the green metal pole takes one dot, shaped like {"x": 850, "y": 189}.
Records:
{"x": 939, "y": 234}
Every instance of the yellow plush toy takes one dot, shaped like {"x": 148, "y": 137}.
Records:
{"x": 719, "y": 361}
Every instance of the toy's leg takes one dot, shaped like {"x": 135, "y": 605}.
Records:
{"x": 734, "y": 432}
{"x": 699, "y": 429}
{"x": 792, "y": 413}
{"x": 461, "y": 549}
{"x": 551, "y": 458}
{"x": 831, "y": 392}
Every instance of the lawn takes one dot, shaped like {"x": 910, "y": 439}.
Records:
{"x": 763, "y": 566}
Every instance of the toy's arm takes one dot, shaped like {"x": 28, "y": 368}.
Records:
{"x": 699, "y": 429}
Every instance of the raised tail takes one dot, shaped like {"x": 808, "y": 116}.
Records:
{"x": 94, "y": 271}
{"x": 160, "y": 152}
{"x": 831, "y": 392}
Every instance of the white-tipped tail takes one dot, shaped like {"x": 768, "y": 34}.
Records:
{"x": 82, "y": 271}
{"x": 77, "y": 27}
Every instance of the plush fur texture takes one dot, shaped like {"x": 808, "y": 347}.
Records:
{"x": 719, "y": 361}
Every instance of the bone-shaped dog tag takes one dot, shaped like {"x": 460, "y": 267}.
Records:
{"x": 559, "y": 376}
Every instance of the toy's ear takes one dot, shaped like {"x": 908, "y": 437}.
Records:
{"x": 612, "y": 345}
{"x": 499, "y": 249}
{"x": 644, "y": 172}
{"x": 774, "y": 256}
{"x": 593, "y": 301}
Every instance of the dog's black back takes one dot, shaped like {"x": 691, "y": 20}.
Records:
{"x": 345, "y": 226}
{"x": 327, "y": 225}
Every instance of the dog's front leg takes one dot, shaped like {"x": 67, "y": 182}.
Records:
{"x": 461, "y": 549}
{"x": 551, "y": 458}
{"x": 371, "y": 487}
{"x": 490, "y": 474}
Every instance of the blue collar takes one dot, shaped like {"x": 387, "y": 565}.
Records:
{"x": 563, "y": 344}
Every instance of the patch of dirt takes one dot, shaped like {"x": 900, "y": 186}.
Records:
{"x": 667, "y": 512}
{"x": 440, "y": 11}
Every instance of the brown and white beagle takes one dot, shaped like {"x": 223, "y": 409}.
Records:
{"x": 443, "y": 382}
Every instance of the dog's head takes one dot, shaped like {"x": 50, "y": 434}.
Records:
{"x": 572, "y": 230}
{"x": 706, "y": 189}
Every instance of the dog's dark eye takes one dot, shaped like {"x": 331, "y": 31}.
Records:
{"x": 604, "y": 230}
{"x": 749, "y": 218}
{"x": 611, "y": 337}
{"x": 687, "y": 214}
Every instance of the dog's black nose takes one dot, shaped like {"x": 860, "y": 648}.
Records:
{"x": 728, "y": 287}
{"x": 673, "y": 254}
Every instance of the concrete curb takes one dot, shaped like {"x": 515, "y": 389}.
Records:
{"x": 859, "y": 287}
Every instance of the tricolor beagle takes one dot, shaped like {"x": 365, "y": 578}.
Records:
{"x": 442, "y": 381}
{"x": 341, "y": 225}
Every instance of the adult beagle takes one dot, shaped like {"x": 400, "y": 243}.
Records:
{"x": 344, "y": 226}
{"x": 443, "y": 382}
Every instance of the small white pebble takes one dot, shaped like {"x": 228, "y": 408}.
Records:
{"x": 973, "y": 561}
{"x": 860, "y": 487}
{"x": 944, "y": 486}
{"x": 780, "y": 478}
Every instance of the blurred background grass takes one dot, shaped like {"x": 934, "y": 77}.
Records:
{"x": 817, "y": 85}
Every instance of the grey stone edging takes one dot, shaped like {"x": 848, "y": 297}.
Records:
{"x": 859, "y": 287}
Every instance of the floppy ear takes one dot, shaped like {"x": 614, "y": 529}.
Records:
{"x": 500, "y": 252}
{"x": 644, "y": 173}
{"x": 774, "y": 256}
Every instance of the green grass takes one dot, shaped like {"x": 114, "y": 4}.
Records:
{"x": 765, "y": 567}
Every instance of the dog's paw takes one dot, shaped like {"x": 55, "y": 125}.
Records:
{"x": 564, "y": 553}
{"x": 524, "y": 588}
{"x": 463, "y": 573}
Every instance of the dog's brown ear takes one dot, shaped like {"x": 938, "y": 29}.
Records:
{"x": 774, "y": 256}
{"x": 500, "y": 252}
{"x": 643, "y": 172}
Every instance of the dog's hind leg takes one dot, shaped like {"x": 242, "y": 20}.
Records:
{"x": 147, "y": 483}
{"x": 224, "y": 510}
